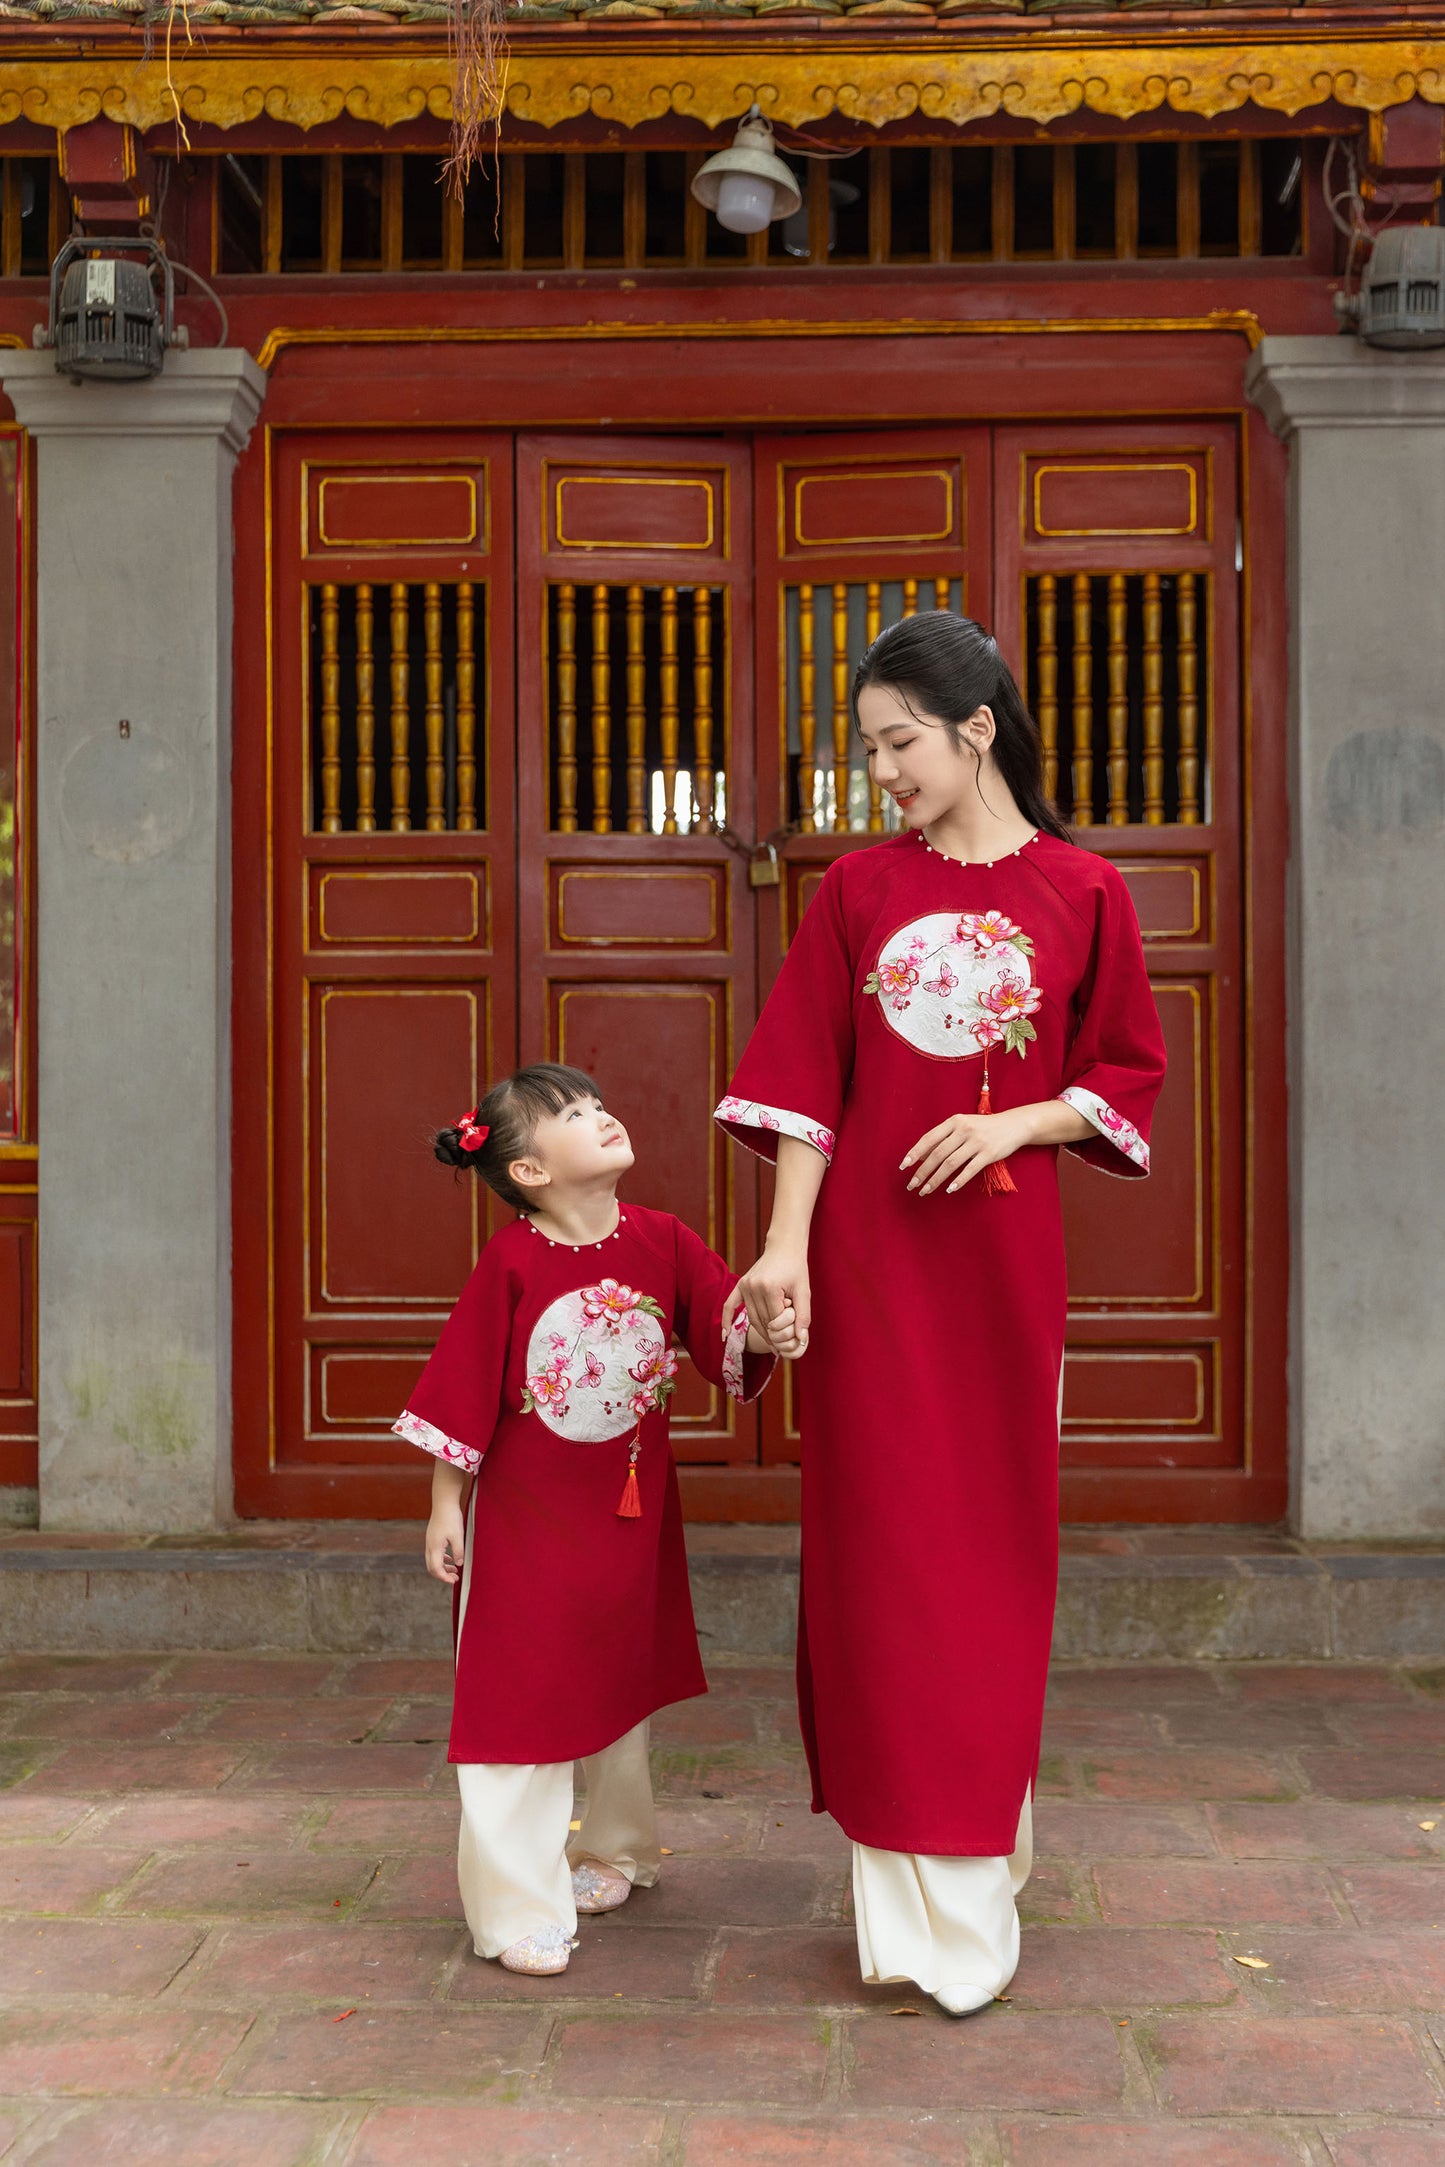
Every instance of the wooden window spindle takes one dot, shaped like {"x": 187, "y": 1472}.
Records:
{"x": 1188, "y": 702}
{"x": 841, "y": 771}
{"x": 1083, "y": 701}
{"x": 1153, "y": 702}
{"x": 436, "y": 714}
{"x": 702, "y": 762}
{"x": 330, "y": 710}
{"x": 466, "y": 706}
{"x": 601, "y": 710}
{"x": 566, "y": 682}
{"x": 807, "y": 712}
{"x": 1118, "y": 700}
{"x": 636, "y": 712}
{"x": 667, "y": 684}
{"x": 1048, "y": 670}
{"x": 873, "y": 627}
{"x": 400, "y": 708}
{"x": 365, "y": 712}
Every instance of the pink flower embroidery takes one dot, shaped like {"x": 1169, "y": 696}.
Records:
{"x": 988, "y": 1031}
{"x": 732, "y": 1110}
{"x": 1011, "y": 998}
{"x": 654, "y": 1376}
{"x": 1009, "y": 1005}
{"x": 897, "y": 976}
{"x": 610, "y": 1301}
{"x": 548, "y": 1388}
{"x": 987, "y": 930}
{"x": 824, "y": 1139}
{"x": 1125, "y": 1131}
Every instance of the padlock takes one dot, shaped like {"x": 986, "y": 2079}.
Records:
{"x": 765, "y": 872}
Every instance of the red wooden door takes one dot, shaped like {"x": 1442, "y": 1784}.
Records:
{"x": 634, "y": 706}
{"x": 391, "y": 908}
{"x": 1117, "y": 588}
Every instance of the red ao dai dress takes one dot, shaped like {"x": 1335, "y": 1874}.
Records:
{"x": 930, "y": 1386}
{"x": 574, "y": 1622}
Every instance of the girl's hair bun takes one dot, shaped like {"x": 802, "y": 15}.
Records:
{"x": 447, "y": 1145}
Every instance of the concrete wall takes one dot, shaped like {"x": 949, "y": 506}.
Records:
{"x": 1367, "y": 1000}
{"x": 133, "y": 535}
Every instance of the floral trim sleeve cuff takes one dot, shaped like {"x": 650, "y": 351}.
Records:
{"x": 436, "y": 1442}
{"x": 743, "y": 1373}
{"x": 749, "y": 1114}
{"x": 1112, "y": 1127}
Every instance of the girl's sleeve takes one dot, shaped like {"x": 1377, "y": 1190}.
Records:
{"x": 455, "y": 1407}
{"x": 1115, "y": 1066}
{"x": 704, "y": 1283}
{"x": 793, "y": 1076}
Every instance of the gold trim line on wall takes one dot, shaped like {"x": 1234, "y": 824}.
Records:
{"x": 1243, "y": 323}
{"x": 1042, "y": 77}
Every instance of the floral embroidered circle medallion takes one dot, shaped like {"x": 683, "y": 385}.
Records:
{"x": 958, "y": 984}
{"x": 597, "y": 1361}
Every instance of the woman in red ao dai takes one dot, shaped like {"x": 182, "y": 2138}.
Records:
{"x": 957, "y": 1003}
{"x": 549, "y": 1387}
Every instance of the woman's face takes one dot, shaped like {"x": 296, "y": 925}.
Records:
{"x": 913, "y": 758}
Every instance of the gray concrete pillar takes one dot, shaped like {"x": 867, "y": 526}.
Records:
{"x": 133, "y": 825}
{"x": 1366, "y": 431}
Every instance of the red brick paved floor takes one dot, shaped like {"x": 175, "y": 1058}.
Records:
{"x": 229, "y": 1937}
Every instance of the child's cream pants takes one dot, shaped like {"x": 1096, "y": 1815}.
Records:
{"x": 517, "y": 1849}
{"x": 949, "y": 1924}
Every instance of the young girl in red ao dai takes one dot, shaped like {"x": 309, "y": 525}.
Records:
{"x": 547, "y": 1394}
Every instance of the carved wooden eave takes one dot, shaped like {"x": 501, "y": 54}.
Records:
{"x": 901, "y": 61}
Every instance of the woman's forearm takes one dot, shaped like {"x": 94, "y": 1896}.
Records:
{"x": 800, "y": 1176}
{"x": 1054, "y": 1121}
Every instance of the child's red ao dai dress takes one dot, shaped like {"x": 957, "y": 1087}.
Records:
{"x": 550, "y": 1383}
{"x": 915, "y": 985}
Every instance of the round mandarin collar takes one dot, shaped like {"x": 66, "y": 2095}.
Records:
{"x": 987, "y": 864}
{"x": 577, "y": 1247}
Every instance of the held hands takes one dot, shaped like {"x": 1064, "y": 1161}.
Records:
{"x": 778, "y": 1299}
{"x": 446, "y": 1542}
{"x": 964, "y": 1145}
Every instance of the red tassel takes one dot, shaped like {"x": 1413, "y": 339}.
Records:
{"x": 997, "y": 1180}
{"x": 631, "y": 1506}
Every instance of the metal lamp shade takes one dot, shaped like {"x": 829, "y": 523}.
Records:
{"x": 747, "y": 186}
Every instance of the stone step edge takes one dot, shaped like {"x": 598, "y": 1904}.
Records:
{"x": 1357, "y": 1605}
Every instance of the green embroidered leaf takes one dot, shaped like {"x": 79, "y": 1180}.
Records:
{"x": 1016, "y": 1034}
{"x": 529, "y": 1405}
{"x": 649, "y": 1307}
{"x": 870, "y": 983}
{"x": 665, "y": 1388}
{"x": 1022, "y": 942}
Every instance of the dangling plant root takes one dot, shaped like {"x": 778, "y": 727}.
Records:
{"x": 477, "y": 48}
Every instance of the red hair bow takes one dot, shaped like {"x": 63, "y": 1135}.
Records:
{"x": 470, "y": 1133}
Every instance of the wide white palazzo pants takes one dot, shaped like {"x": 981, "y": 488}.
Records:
{"x": 516, "y": 1849}
{"x": 948, "y": 1924}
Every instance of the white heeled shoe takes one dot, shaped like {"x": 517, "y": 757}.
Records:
{"x": 962, "y": 2001}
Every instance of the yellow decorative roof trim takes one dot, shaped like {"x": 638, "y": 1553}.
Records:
{"x": 1035, "y": 76}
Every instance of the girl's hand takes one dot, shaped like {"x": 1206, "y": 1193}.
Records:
{"x": 446, "y": 1542}
{"x": 779, "y": 1298}
{"x": 964, "y": 1145}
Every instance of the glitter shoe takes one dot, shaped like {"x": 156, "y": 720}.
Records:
{"x": 598, "y": 1888}
{"x": 540, "y": 1954}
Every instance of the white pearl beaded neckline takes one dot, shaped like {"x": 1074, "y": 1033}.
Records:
{"x": 577, "y": 1247}
{"x": 987, "y": 863}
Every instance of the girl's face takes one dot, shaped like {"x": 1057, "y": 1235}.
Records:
{"x": 913, "y": 758}
{"x": 578, "y": 1147}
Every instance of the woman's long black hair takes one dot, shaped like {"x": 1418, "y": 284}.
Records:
{"x": 948, "y": 667}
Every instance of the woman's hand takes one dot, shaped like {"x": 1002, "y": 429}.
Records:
{"x": 446, "y": 1543}
{"x": 964, "y": 1145}
{"x": 446, "y": 1530}
{"x": 779, "y": 1299}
